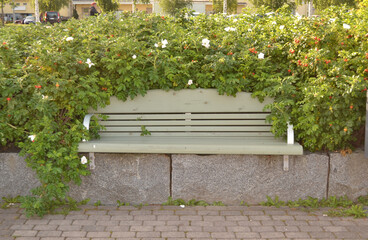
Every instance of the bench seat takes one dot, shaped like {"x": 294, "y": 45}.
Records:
{"x": 189, "y": 121}
{"x": 191, "y": 145}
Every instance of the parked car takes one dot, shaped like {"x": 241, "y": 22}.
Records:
{"x": 29, "y": 19}
{"x": 50, "y": 17}
{"x": 63, "y": 19}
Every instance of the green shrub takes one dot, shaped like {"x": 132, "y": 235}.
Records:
{"x": 315, "y": 69}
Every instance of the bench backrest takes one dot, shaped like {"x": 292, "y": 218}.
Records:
{"x": 189, "y": 112}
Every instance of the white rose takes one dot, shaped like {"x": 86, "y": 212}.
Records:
{"x": 84, "y": 160}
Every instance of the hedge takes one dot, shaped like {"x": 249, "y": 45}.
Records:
{"x": 315, "y": 68}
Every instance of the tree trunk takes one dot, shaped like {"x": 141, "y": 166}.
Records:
{"x": 225, "y": 7}
{"x": 2, "y": 12}
{"x": 13, "y": 12}
{"x": 37, "y": 12}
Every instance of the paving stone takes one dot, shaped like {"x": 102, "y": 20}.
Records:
{"x": 167, "y": 218}
{"x": 154, "y": 223}
{"x": 198, "y": 235}
{"x": 123, "y": 234}
{"x": 23, "y": 227}
{"x": 141, "y": 228}
{"x": 190, "y": 229}
{"x": 173, "y": 234}
{"x": 191, "y": 218}
{"x": 287, "y": 228}
{"x": 94, "y": 228}
{"x": 69, "y": 228}
{"x": 121, "y": 217}
{"x": 263, "y": 229}
{"x": 320, "y": 223}
{"x": 74, "y": 234}
{"x": 117, "y": 228}
{"x": 272, "y": 235}
{"x": 228, "y": 235}
{"x": 148, "y": 234}
{"x": 166, "y": 228}
{"x": 249, "y": 223}
{"x": 248, "y": 235}
{"x": 296, "y": 223}
{"x": 24, "y": 233}
{"x": 99, "y": 217}
{"x": 272, "y": 223}
{"x": 209, "y": 213}
{"x": 45, "y": 227}
{"x": 335, "y": 229}
{"x": 177, "y": 223}
{"x": 310, "y": 228}
{"x": 52, "y": 238}
{"x": 98, "y": 234}
{"x": 60, "y": 222}
{"x": 107, "y": 223}
{"x": 297, "y": 235}
{"x": 49, "y": 234}
{"x": 238, "y": 229}
{"x": 213, "y": 229}
{"x": 28, "y": 238}
{"x": 324, "y": 235}
{"x": 130, "y": 223}
{"x": 345, "y": 235}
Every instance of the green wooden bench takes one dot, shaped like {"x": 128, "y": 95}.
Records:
{"x": 188, "y": 121}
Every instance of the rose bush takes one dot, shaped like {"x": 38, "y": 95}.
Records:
{"x": 316, "y": 69}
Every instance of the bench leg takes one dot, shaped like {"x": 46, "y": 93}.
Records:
{"x": 286, "y": 163}
{"x": 92, "y": 161}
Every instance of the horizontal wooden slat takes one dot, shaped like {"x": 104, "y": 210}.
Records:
{"x": 191, "y": 134}
{"x": 185, "y": 100}
{"x": 184, "y": 123}
{"x": 183, "y": 116}
{"x": 188, "y": 145}
{"x": 192, "y": 129}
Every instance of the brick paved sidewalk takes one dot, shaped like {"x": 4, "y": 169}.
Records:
{"x": 174, "y": 223}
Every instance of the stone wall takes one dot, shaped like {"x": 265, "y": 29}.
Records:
{"x": 152, "y": 178}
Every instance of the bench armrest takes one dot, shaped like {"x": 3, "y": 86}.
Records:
{"x": 290, "y": 134}
{"x": 87, "y": 120}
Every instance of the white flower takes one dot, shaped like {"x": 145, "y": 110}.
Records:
{"x": 134, "y": 56}
{"x": 261, "y": 56}
{"x": 282, "y": 27}
{"x": 249, "y": 30}
{"x": 235, "y": 20}
{"x": 68, "y": 39}
{"x": 156, "y": 45}
{"x": 90, "y": 64}
{"x": 346, "y": 26}
{"x": 182, "y": 206}
{"x": 274, "y": 23}
{"x": 190, "y": 82}
{"x": 332, "y": 20}
{"x": 206, "y": 42}
{"x": 230, "y": 29}
{"x": 32, "y": 137}
{"x": 164, "y": 43}
{"x": 84, "y": 160}
{"x": 45, "y": 97}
